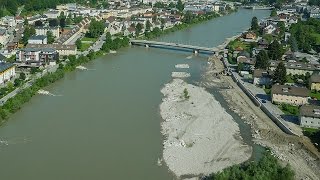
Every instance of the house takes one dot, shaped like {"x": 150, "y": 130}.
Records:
{"x": 2, "y": 58}
{"x": 3, "y": 37}
{"x": 309, "y": 116}
{"x": 298, "y": 68}
{"x": 315, "y": 13}
{"x": 269, "y": 29}
{"x": 289, "y": 94}
{"x": 43, "y": 31}
{"x": 52, "y": 14}
{"x": 315, "y": 82}
{"x": 37, "y": 39}
{"x": 250, "y": 35}
{"x": 62, "y": 49}
{"x": 263, "y": 44}
{"x": 37, "y": 56}
{"x": 262, "y": 77}
{"x": 7, "y": 72}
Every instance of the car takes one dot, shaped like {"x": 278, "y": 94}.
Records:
{"x": 263, "y": 101}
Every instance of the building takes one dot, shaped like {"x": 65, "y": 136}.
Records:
{"x": 63, "y": 50}
{"x": 7, "y": 72}
{"x": 37, "y": 56}
{"x": 262, "y": 77}
{"x": 43, "y": 31}
{"x": 315, "y": 82}
{"x": 38, "y": 39}
{"x": 52, "y": 14}
{"x": 289, "y": 94}
{"x": 298, "y": 68}
{"x": 315, "y": 13}
{"x": 309, "y": 116}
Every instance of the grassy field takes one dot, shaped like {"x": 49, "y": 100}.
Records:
{"x": 289, "y": 109}
{"x": 315, "y": 94}
{"x": 85, "y": 46}
{"x": 238, "y": 44}
{"x": 89, "y": 39}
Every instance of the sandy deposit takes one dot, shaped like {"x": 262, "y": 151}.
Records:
{"x": 201, "y": 137}
{"x": 180, "y": 74}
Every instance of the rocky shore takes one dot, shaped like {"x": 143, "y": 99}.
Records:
{"x": 200, "y": 136}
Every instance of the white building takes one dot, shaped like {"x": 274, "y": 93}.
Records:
{"x": 7, "y": 72}
{"x": 3, "y": 37}
{"x": 43, "y": 31}
{"x": 52, "y": 14}
{"x": 310, "y": 116}
{"x": 38, "y": 39}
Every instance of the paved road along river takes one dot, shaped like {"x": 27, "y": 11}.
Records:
{"x": 106, "y": 123}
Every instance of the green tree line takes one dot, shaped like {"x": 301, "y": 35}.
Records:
{"x": 267, "y": 168}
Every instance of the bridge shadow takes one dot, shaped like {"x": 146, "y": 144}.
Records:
{"x": 264, "y": 97}
{"x": 290, "y": 118}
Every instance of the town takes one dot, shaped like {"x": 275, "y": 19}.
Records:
{"x": 249, "y": 107}
{"x": 277, "y": 64}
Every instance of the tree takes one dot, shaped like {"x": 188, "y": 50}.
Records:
{"x": 282, "y": 28}
{"x": 78, "y": 44}
{"x": 28, "y": 32}
{"x": 38, "y": 23}
{"x": 273, "y": 13}
{"x": 22, "y": 76}
{"x": 50, "y": 37}
{"x": 154, "y": 18}
{"x": 280, "y": 74}
{"x": 180, "y": 5}
{"x": 53, "y": 22}
{"x": 63, "y": 22}
{"x": 139, "y": 28}
{"x": 293, "y": 44}
{"x": 275, "y": 50}
{"x": 148, "y": 25}
{"x": 163, "y": 22}
{"x": 254, "y": 24}
{"x": 262, "y": 60}
{"x": 96, "y": 28}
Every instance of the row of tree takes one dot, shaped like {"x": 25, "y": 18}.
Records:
{"x": 268, "y": 167}
{"x": 302, "y": 34}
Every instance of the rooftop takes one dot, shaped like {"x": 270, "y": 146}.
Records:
{"x": 310, "y": 111}
{"x": 262, "y": 73}
{"x": 290, "y": 90}
{"x": 4, "y": 66}
{"x": 315, "y": 78}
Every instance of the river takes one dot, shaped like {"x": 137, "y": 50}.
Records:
{"x": 106, "y": 123}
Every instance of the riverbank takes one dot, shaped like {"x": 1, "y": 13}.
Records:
{"x": 201, "y": 136}
{"x": 298, "y": 152}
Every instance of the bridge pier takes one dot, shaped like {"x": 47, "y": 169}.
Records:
{"x": 195, "y": 51}
{"x": 146, "y": 45}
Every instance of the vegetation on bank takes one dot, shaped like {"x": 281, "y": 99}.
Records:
{"x": 314, "y": 135}
{"x": 267, "y": 168}
{"x": 289, "y": 109}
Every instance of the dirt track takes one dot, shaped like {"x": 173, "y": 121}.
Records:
{"x": 299, "y": 152}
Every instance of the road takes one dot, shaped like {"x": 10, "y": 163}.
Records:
{"x": 28, "y": 83}
{"x": 95, "y": 46}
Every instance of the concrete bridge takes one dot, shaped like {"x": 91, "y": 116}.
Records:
{"x": 176, "y": 46}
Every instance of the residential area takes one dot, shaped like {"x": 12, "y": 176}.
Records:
{"x": 278, "y": 61}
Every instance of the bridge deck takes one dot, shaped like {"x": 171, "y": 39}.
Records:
{"x": 177, "y": 45}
